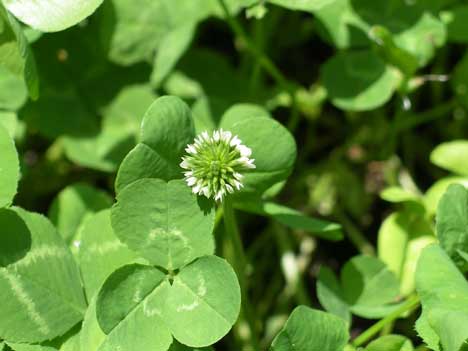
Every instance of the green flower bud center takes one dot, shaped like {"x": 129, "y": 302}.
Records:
{"x": 215, "y": 164}
{"x": 216, "y": 168}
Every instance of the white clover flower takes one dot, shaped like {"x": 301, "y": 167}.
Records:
{"x": 214, "y": 164}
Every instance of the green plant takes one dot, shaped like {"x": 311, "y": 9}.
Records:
{"x": 209, "y": 175}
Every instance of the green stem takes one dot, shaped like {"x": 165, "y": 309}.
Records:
{"x": 414, "y": 120}
{"x": 265, "y": 62}
{"x": 218, "y": 216}
{"x": 239, "y": 261}
{"x": 257, "y": 70}
{"x": 411, "y": 303}
{"x": 387, "y": 329}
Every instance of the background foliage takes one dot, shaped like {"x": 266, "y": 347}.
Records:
{"x": 356, "y": 111}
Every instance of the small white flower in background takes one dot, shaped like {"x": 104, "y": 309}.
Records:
{"x": 215, "y": 164}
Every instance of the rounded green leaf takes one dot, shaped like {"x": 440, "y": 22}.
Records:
{"x": 176, "y": 346}
{"x": 91, "y": 335}
{"x": 164, "y": 222}
{"x": 101, "y": 252}
{"x": 312, "y": 330}
{"x": 9, "y": 168}
{"x": 443, "y": 291}
{"x": 171, "y": 48}
{"x": 273, "y": 148}
{"x": 166, "y": 130}
{"x": 204, "y": 302}
{"x": 303, "y": 5}
{"x": 39, "y": 279}
{"x": 138, "y": 34}
{"x": 26, "y": 347}
{"x": 452, "y": 156}
{"x": 348, "y": 24}
{"x": 452, "y": 223}
{"x": 72, "y": 343}
{"x": 390, "y": 343}
{"x": 413, "y": 251}
{"x": 358, "y": 80}
{"x": 16, "y": 53}
{"x": 199, "y": 307}
{"x": 118, "y": 135}
{"x": 369, "y": 286}
{"x": 73, "y": 205}
{"x": 422, "y": 34}
{"x": 9, "y": 120}
{"x": 435, "y": 192}
{"x": 49, "y": 15}
{"x": 341, "y": 25}
{"x": 129, "y": 286}
{"x": 330, "y": 295}
{"x": 13, "y": 92}
{"x": 397, "y": 194}
{"x": 401, "y": 238}
{"x": 128, "y": 309}
{"x": 240, "y": 112}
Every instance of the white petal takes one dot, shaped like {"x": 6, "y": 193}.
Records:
{"x": 216, "y": 135}
{"x": 219, "y": 195}
{"x": 227, "y": 136}
{"x": 235, "y": 141}
{"x": 184, "y": 164}
{"x": 206, "y": 191}
{"x": 244, "y": 150}
{"x": 191, "y": 181}
{"x": 189, "y": 174}
{"x": 205, "y": 135}
{"x": 191, "y": 149}
{"x": 229, "y": 188}
{"x": 250, "y": 164}
{"x": 237, "y": 184}
{"x": 247, "y": 162}
{"x": 237, "y": 175}
{"x": 198, "y": 140}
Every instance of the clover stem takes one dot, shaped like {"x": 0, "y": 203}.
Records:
{"x": 414, "y": 120}
{"x": 411, "y": 303}
{"x": 264, "y": 61}
{"x": 239, "y": 261}
{"x": 218, "y": 216}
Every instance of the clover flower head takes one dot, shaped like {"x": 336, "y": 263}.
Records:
{"x": 214, "y": 164}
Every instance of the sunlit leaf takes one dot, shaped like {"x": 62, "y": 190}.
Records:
{"x": 51, "y": 16}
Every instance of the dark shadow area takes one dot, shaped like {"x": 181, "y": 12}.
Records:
{"x": 352, "y": 278}
{"x": 396, "y": 18}
{"x": 206, "y": 205}
{"x": 15, "y": 238}
{"x": 77, "y": 78}
{"x": 349, "y": 74}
